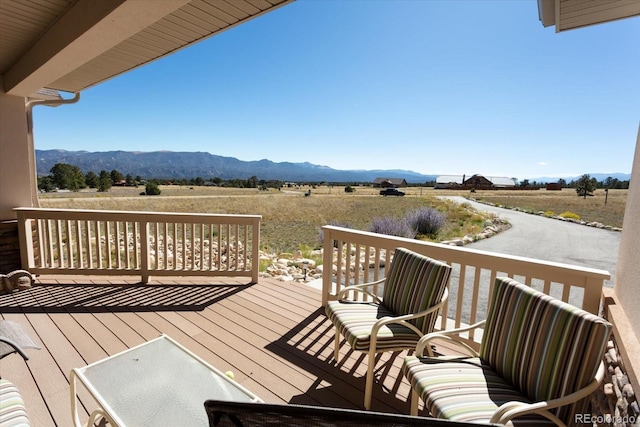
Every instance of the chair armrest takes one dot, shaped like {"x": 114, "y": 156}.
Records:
{"x": 510, "y": 410}
{"x": 449, "y": 335}
{"x": 405, "y": 317}
{"x": 15, "y": 346}
{"x": 361, "y": 289}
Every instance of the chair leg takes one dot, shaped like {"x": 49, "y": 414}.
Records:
{"x": 414, "y": 402}
{"x": 368, "y": 388}
{"x": 336, "y": 350}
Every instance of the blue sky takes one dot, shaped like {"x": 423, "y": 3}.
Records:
{"x": 437, "y": 87}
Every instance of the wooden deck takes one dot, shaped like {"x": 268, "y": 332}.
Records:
{"x": 273, "y": 335}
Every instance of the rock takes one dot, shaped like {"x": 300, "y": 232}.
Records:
{"x": 608, "y": 359}
{"x": 627, "y": 392}
{"x": 614, "y": 356}
{"x": 608, "y": 390}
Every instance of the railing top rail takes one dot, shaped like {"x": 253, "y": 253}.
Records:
{"x": 149, "y": 216}
{"x": 462, "y": 255}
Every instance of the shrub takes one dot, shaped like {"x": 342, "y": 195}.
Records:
{"x": 549, "y": 214}
{"x": 427, "y": 221}
{"x": 570, "y": 215}
{"x": 152, "y": 189}
{"x": 349, "y": 189}
{"x": 392, "y": 227}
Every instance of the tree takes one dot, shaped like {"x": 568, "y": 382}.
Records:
{"x": 252, "y": 182}
{"x": 129, "y": 180}
{"x": 116, "y": 177}
{"x": 91, "y": 179}
{"x": 104, "y": 181}
{"x": 45, "y": 183}
{"x": 67, "y": 177}
{"x": 586, "y": 185}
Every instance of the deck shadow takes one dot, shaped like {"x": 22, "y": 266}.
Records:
{"x": 101, "y": 298}
{"x": 340, "y": 384}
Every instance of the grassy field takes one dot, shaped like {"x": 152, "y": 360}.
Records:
{"x": 292, "y": 221}
{"x": 589, "y": 209}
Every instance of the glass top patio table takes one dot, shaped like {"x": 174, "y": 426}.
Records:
{"x": 156, "y": 383}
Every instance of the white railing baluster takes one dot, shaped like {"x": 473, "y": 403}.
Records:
{"x": 69, "y": 244}
{"x": 69, "y": 241}
{"x": 144, "y": 250}
{"x": 236, "y": 239}
{"x": 227, "y": 251}
{"x": 108, "y": 238}
{"x": 41, "y": 242}
{"x": 99, "y": 256}
{"x": 118, "y": 245}
{"x": 50, "y": 254}
{"x": 462, "y": 278}
{"x": 219, "y": 256}
{"x": 89, "y": 249}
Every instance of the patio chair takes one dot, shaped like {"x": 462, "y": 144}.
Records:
{"x": 414, "y": 289}
{"x": 13, "y": 339}
{"x": 539, "y": 359}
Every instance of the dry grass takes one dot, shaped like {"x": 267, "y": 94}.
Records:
{"x": 292, "y": 221}
{"x": 289, "y": 220}
{"x": 589, "y": 209}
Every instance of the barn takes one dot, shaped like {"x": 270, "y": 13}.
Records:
{"x": 389, "y": 182}
{"x": 478, "y": 182}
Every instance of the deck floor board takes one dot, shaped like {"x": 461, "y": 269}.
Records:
{"x": 273, "y": 335}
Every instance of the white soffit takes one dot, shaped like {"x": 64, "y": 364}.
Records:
{"x": 70, "y": 45}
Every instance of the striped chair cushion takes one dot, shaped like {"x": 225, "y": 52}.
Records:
{"x": 542, "y": 346}
{"x": 414, "y": 283}
{"x": 463, "y": 389}
{"x": 12, "y": 410}
{"x": 354, "y": 321}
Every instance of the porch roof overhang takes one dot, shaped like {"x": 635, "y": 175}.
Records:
{"x": 71, "y": 45}
{"x": 571, "y": 14}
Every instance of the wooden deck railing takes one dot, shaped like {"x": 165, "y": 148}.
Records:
{"x": 360, "y": 257}
{"x": 69, "y": 241}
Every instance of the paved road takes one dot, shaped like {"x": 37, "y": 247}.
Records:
{"x": 551, "y": 240}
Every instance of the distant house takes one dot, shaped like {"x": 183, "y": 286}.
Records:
{"x": 451, "y": 182}
{"x": 478, "y": 182}
{"x": 389, "y": 182}
{"x": 554, "y": 186}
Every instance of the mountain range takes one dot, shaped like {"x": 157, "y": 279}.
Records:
{"x": 187, "y": 165}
